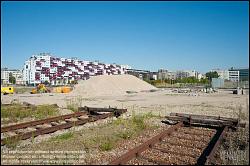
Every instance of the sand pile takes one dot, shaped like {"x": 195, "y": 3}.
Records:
{"x": 110, "y": 85}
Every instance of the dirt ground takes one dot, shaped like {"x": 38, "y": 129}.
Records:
{"x": 162, "y": 102}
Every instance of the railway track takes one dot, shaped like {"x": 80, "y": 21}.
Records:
{"x": 34, "y": 128}
{"x": 191, "y": 140}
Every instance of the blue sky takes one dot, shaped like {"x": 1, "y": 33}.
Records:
{"x": 145, "y": 35}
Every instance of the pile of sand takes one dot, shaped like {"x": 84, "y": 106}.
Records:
{"x": 110, "y": 85}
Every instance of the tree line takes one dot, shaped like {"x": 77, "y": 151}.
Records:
{"x": 190, "y": 80}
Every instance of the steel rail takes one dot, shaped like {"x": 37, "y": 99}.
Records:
{"x": 38, "y": 122}
{"x": 208, "y": 153}
{"x": 204, "y": 117}
{"x": 138, "y": 150}
{"x": 92, "y": 116}
{"x": 94, "y": 111}
{"x": 51, "y": 129}
{"x": 206, "y": 156}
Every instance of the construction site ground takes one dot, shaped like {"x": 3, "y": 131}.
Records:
{"x": 153, "y": 104}
{"x": 161, "y": 102}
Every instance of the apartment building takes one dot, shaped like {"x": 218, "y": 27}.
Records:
{"x": 165, "y": 74}
{"x": 5, "y": 74}
{"x": 234, "y": 75}
{"x": 46, "y": 67}
{"x": 186, "y": 73}
{"x": 243, "y": 73}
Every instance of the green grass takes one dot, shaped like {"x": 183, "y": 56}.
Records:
{"x": 107, "y": 144}
{"x": 16, "y": 112}
{"x": 12, "y": 143}
{"x": 64, "y": 136}
{"x": 103, "y": 137}
{"x": 125, "y": 134}
{"x": 44, "y": 111}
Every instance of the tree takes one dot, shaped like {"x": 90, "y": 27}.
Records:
{"x": 204, "y": 81}
{"x": 211, "y": 75}
{"x": 12, "y": 79}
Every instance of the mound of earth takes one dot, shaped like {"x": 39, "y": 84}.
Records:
{"x": 111, "y": 85}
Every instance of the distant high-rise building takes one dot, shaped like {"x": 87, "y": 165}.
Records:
{"x": 45, "y": 67}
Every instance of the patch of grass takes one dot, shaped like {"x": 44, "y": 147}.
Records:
{"x": 64, "y": 136}
{"x": 138, "y": 122}
{"x": 101, "y": 141}
{"x": 119, "y": 129}
{"x": 16, "y": 112}
{"x": 125, "y": 134}
{"x": 107, "y": 144}
{"x": 12, "y": 143}
{"x": 44, "y": 111}
{"x": 104, "y": 137}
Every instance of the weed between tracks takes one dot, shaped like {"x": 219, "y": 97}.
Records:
{"x": 235, "y": 146}
{"x": 64, "y": 136}
{"x": 12, "y": 143}
{"x": 103, "y": 137}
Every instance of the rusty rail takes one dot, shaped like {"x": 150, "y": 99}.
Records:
{"x": 92, "y": 116}
{"x": 205, "y": 120}
{"x": 207, "y": 154}
{"x": 136, "y": 151}
{"x": 204, "y": 117}
{"x": 38, "y": 122}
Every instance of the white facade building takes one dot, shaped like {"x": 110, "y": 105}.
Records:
{"x": 171, "y": 75}
{"x": 45, "y": 67}
{"x": 234, "y": 76}
{"x": 5, "y": 74}
{"x": 186, "y": 73}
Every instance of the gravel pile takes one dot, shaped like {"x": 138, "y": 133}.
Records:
{"x": 111, "y": 85}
